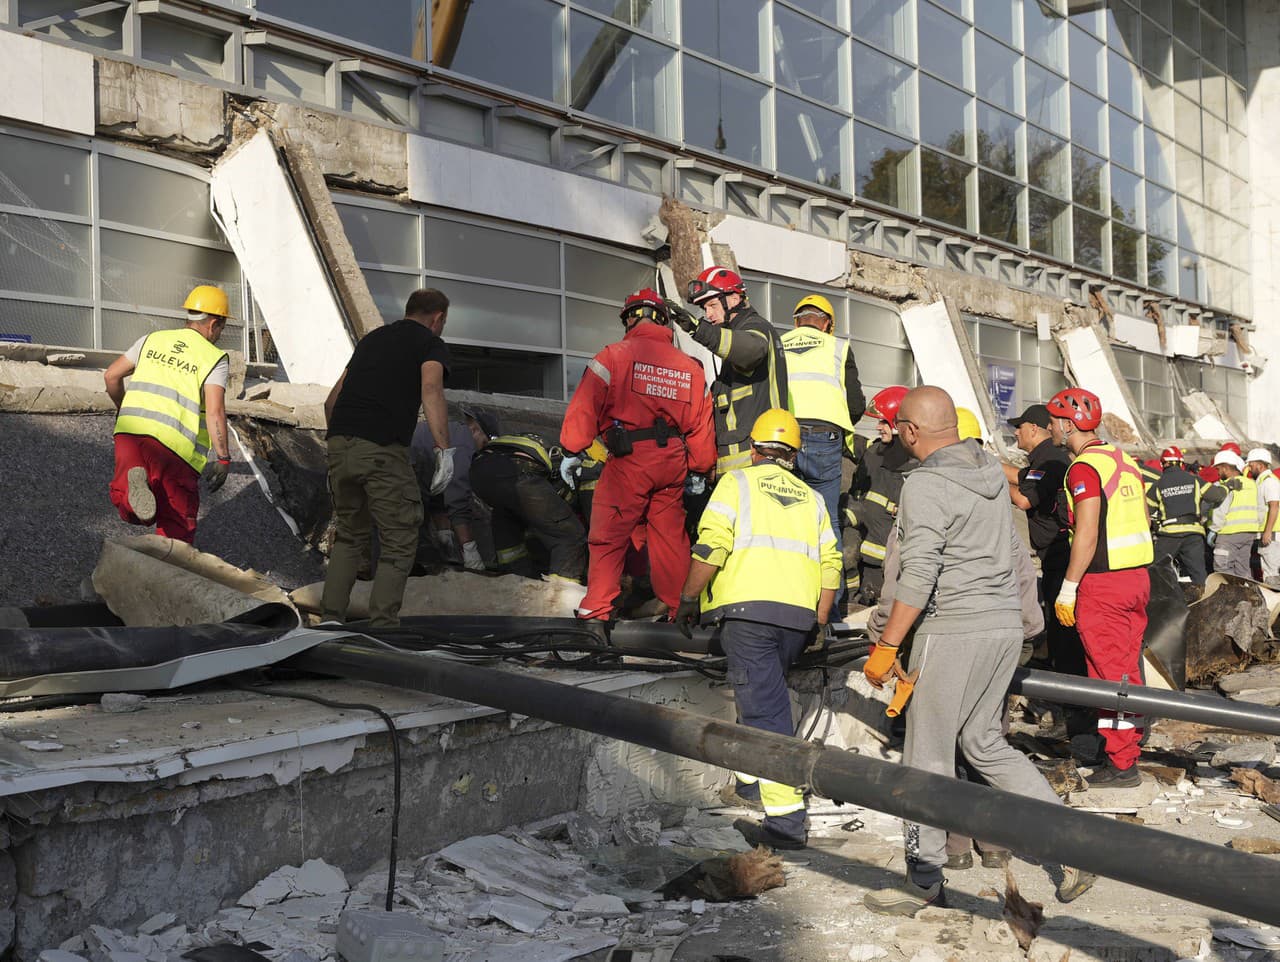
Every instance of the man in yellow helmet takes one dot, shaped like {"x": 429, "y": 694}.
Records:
{"x": 826, "y": 398}
{"x": 767, "y": 565}
{"x": 171, "y": 421}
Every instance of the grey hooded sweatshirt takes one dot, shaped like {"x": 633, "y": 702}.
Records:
{"x": 957, "y": 563}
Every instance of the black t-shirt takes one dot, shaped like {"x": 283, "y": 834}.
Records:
{"x": 1041, "y": 483}
{"x": 382, "y": 391}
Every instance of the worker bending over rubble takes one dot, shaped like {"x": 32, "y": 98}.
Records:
{"x": 957, "y": 587}
{"x": 648, "y": 401}
{"x": 372, "y": 412}
{"x": 171, "y": 418}
{"x": 767, "y": 565}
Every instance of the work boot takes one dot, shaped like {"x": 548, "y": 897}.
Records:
{"x": 141, "y": 501}
{"x": 1111, "y": 777}
{"x": 1075, "y": 882}
{"x": 997, "y": 858}
{"x": 960, "y": 861}
{"x": 757, "y": 833}
{"x": 730, "y": 798}
{"x": 906, "y": 899}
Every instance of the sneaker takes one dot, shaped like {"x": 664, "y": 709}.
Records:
{"x": 960, "y": 861}
{"x": 141, "y": 501}
{"x": 730, "y": 798}
{"x": 995, "y": 859}
{"x": 1075, "y": 882}
{"x": 757, "y": 833}
{"x": 1111, "y": 777}
{"x": 906, "y": 899}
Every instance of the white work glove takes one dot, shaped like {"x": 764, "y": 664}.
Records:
{"x": 471, "y": 559}
{"x": 567, "y": 466}
{"x": 443, "y": 473}
{"x": 1065, "y": 604}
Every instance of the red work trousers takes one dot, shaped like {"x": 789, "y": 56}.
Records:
{"x": 1111, "y": 616}
{"x": 644, "y": 487}
{"x": 175, "y": 484}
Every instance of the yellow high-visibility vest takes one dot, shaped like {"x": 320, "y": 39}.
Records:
{"x": 165, "y": 399}
{"x": 1125, "y": 538}
{"x": 528, "y": 445}
{"x": 1262, "y": 505}
{"x": 815, "y": 376}
{"x": 1243, "y": 515}
{"x": 769, "y": 535}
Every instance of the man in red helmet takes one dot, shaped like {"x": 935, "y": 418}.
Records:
{"x": 753, "y": 377}
{"x": 1179, "y": 501}
{"x": 876, "y": 485}
{"x": 648, "y": 401}
{"x": 1107, "y": 587}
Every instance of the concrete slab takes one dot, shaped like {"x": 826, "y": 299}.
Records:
{"x": 1121, "y": 938}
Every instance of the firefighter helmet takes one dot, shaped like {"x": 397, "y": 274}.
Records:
{"x": 646, "y": 305}
{"x": 1082, "y": 408}
{"x": 715, "y": 282}
{"x": 884, "y": 404}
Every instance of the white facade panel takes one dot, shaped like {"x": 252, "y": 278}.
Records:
{"x": 43, "y": 83}
{"x": 777, "y": 250}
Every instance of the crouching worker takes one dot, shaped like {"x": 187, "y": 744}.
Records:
{"x": 766, "y": 564}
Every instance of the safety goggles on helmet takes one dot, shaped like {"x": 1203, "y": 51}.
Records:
{"x": 715, "y": 282}
{"x": 645, "y": 305}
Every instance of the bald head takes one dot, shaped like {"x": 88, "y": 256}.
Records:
{"x": 927, "y": 421}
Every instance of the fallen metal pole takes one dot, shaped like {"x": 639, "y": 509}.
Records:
{"x": 1196, "y": 871}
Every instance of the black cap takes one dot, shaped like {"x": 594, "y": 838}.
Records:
{"x": 1036, "y": 414}
{"x": 488, "y": 421}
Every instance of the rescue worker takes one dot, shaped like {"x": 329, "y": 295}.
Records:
{"x": 957, "y": 588}
{"x": 171, "y": 418}
{"x": 1259, "y": 465}
{"x": 876, "y": 485}
{"x": 753, "y": 375}
{"x": 512, "y": 474}
{"x": 447, "y": 526}
{"x": 1037, "y": 490}
{"x": 1107, "y": 586}
{"x": 767, "y": 566}
{"x": 1177, "y": 502}
{"x": 826, "y": 398}
{"x": 583, "y": 474}
{"x": 1209, "y": 473}
{"x": 1237, "y": 523}
{"x": 648, "y": 401}
{"x": 372, "y": 412}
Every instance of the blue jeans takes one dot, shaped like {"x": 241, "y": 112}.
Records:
{"x": 820, "y": 464}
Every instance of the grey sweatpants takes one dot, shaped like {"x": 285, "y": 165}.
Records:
{"x": 960, "y": 697}
{"x": 1232, "y": 554}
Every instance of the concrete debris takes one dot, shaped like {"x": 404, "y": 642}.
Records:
{"x": 1258, "y": 753}
{"x": 1263, "y": 937}
{"x": 1257, "y": 784}
{"x": 604, "y": 905}
{"x": 866, "y": 953}
{"x": 58, "y": 955}
{"x": 121, "y": 701}
{"x": 313, "y": 878}
{"x": 41, "y": 746}
{"x": 1105, "y": 937}
{"x": 1256, "y": 846}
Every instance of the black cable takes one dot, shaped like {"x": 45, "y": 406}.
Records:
{"x": 395, "y": 763}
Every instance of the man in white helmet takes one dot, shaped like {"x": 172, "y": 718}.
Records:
{"x": 1259, "y": 468}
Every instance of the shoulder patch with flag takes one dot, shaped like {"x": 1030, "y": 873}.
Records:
{"x": 1033, "y": 475}
{"x": 1079, "y": 488}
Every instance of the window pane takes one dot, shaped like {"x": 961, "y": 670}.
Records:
{"x": 653, "y": 16}
{"x": 998, "y": 207}
{"x": 589, "y": 326}
{"x": 620, "y": 76}
{"x": 457, "y": 248}
{"x": 1157, "y": 53}
{"x": 1046, "y": 99}
{"x": 728, "y": 30}
{"x": 1162, "y": 271}
{"x": 944, "y": 116}
{"x": 1157, "y": 105}
{"x": 944, "y": 189}
{"x": 44, "y": 176}
{"x": 57, "y": 324}
{"x": 395, "y": 25}
{"x": 1049, "y": 225}
{"x": 1088, "y": 121}
{"x": 1190, "y": 225}
{"x": 996, "y": 18}
{"x": 998, "y": 139}
{"x": 875, "y": 324}
{"x": 1087, "y": 58}
{"x": 1122, "y": 84}
{"x": 944, "y": 37}
{"x": 1045, "y": 38}
{"x": 478, "y": 312}
{"x": 1086, "y": 178}
{"x": 1188, "y": 172}
{"x": 288, "y": 75}
{"x": 604, "y": 275}
{"x": 381, "y": 236}
{"x": 1088, "y": 239}
{"x": 885, "y": 171}
{"x": 178, "y": 45}
{"x": 1125, "y": 247}
{"x": 1217, "y": 146}
{"x": 491, "y": 370}
{"x": 808, "y": 58}
{"x": 1186, "y": 23}
{"x": 1123, "y": 25}
{"x": 880, "y": 366}
{"x": 1186, "y": 72}
{"x": 1158, "y": 157}
{"x": 516, "y": 44}
{"x": 1048, "y": 161}
{"x": 828, "y": 10}
{"x": 145, "y": 272}
{"x": 151, "y": 197}
{"x": 810, "y": 142}
{"x": 886, "y": 23}
{"x": 102, "y": 30}
{"x": 883, "y": 90}
{"x": 1161, "y": 216}
{"x": 391, "y": 291}
{"x": 43, "y": 256}
{"x": 738, "y": 105}
{"x": 1126, "y": 140}
{"x": 996, "y": 72}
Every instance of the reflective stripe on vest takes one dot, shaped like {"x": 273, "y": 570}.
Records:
{"x": 519, "y": 443}
{"x": 1262, "y": 505}
{"x": 1181, "y": 505}
{"x": 165, "y": 398}
{"x": 815, "y": 376}
{"x": 1128, "y": 534}
{"x": 1244, "y": 516}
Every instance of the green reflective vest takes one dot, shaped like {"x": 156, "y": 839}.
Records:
{"x": 165, "y": 399}
{"x": 815, "y": 376}
{"x": 1124, "y": 540}
{"x": 1243, "y": 514}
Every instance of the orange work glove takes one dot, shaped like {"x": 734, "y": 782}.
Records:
{"x": 880, "y": 665}
{"x": 901, "y": 691}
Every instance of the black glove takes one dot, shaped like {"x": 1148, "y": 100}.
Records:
{"x": 687, "y": 615}
{"x": 215, "y": 475}
{"x": 680, "y": 316}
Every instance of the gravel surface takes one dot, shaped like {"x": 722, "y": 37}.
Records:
{"x": 55, "y": 513}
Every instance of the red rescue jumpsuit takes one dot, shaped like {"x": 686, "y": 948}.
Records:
{"x": 634, "y": 382}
